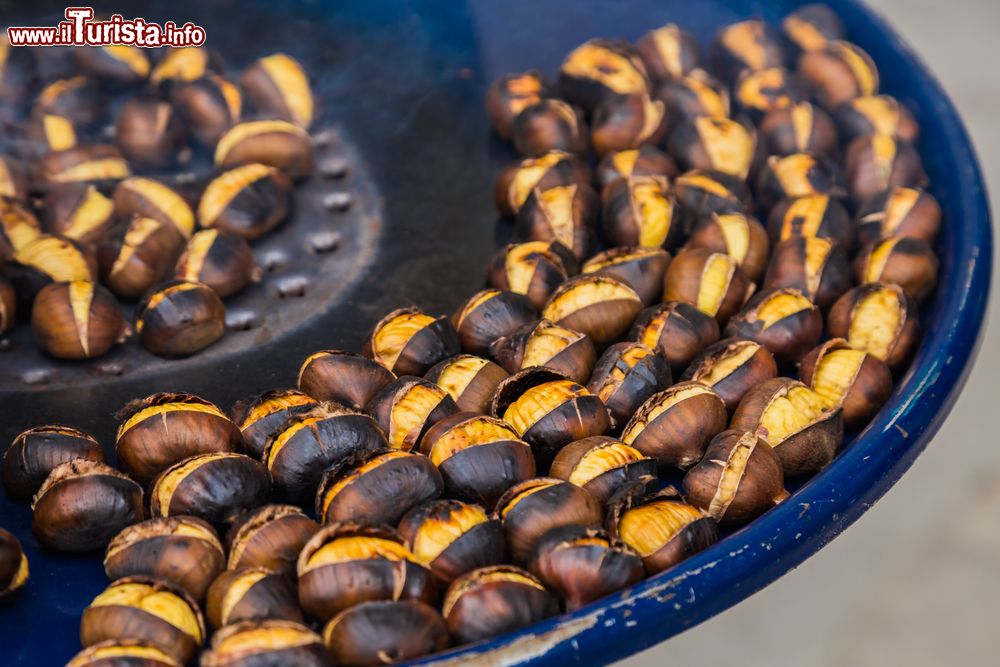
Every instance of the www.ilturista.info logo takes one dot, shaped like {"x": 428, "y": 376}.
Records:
{"x": 80, "y": 29}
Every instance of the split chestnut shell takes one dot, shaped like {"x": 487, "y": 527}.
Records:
{"x": 451, "y": 538}
{"x": 491, "y": 601}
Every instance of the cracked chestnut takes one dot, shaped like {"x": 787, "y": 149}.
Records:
{"x": 748, "y": 45}
{"x": 553, "y": 169}
{"x": 269, "y": 537}
{"x": 137, "y": 255}
{"x": 251, "y": 594}
{"x": 221, "y": 260}
{"x": 811, "y": 27}
{"x": 18, "y": 75}
{"x": 815, "y": 266}
{"x": 677, "y": 331}
{"x": 879, "y": 319}
{"x": 625, "y": 376}
{"x": 77, "y": 320}
{"x": 209, "y": 105}
{"x": 600, "y": 69}
{"x": 534, "y": 269}
{"x": 818, "y": 215}
{"x": 702, "y": 193}
{"x": 693, "y": 95}
{"x": 343, "y": 377}
{"x": 855, "y": 381}
{"x": 543, "y": 343}
{"x": 784, "y": 321}
{"x": 549, "y": 124}
{"x": 627, "y": 122}
{"x": 471, "y": 381}
{"x": 738, "y": 235}
{"x": 878, "y": 162}
{"x": 76, "y": 98}
{"x": 899, "y": 212}
{"x": 408, "y": 342}
{"x": 46, "y": 260}
{"x": 89, "y": 163}
{"x": 264, "y": 416}
{"x": 510, "y": 95}
{"x": 115, "y": 65}
{"x": 668, "y": 52}
{"x": 641, "y": 211}
{"x": 405, "y": 408}
{"x": 278, "y": 87}
{"x": 180, "y": 318}
{"x": 450, "y": 538}
{"x": 643, "y": 162}
{"x": 566, "y": 213}
{"x": 34, "y": 453}
{"x": 599, "y": 306}
{"x": 150, "y": 198}
{"x": 248, "y": 200}
{"x": 77, "y": 211}
{"x": 181, "y": 64}
{"x": 216, "y": 487}
{"x": 601, "y": 465}
{"x": 839, "y": 72}
{"x": 714, "y": 143}
{"x": 732, "y": 367}
{"x": 710, "y": 281}
{"x": 276, "y": 143}
{"x": 801, "y": 127}
{"x": 662, "y": 529}
{"x": 899, "y": 260}
{"x": 876, "y": 114}
{"x": 381, "y": 631}
{"x": 641, "y": 268}
{"x": 759, "y": 92}
{"x": 488, "y": 315}
{"x": 149, "y": 132}
{"x": 797, "y": 175}
{"x": 534, "y": 507}
{"x": 13, "y": 566}
{"x": 269, "y": 642}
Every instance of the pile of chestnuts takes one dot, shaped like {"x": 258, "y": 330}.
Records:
{"x": 685, "y": 311}
{"x": 132, "y": 189}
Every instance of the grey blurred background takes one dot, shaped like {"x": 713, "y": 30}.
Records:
{"x": 917, "y": 580}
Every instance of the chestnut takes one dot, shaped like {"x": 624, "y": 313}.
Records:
{"x": 899, "y": 260}
{"x": 451, "y": 538}
{"x": 566, "y": 213}
{"x": 83, "y": 504}
{"x": 150, "y": 198}
{"x": 739, "y": 478}
{"x": 209, "y": 105}
{"x": 783, "y": 320}
{"x": 470, "y": 381}
{"x": 266, "y": 414}
{"x": 713, "y": 143}
{"x": 376, "y": 487}
{"x": 801, "y": 127}
{"x": 488, "y": 315}
{"x": 710, "y": 281}
{"x": 181, "y": 64}
{"x": 598, "y": 306}
{"x": 878, "y": 162}
{"x": 663, "y": 530}
{"x": 677, "y": 331}
{"x": 641, "y": 211}
{"x": 35, "y": 452}
{"x": 221, "y": 260}
{"x": 268, "y": 642}
{"x": 695, "y": 94}
{"x": 584, "y": 564}
{"x": 839, "y": 72}
{"x": 812, "y": 27}
{"x": 409, "y": 342}
{"x": 276, "y": 143}
{"x": 750, "y": 44}
{"x": 41, "y": 133}
{"x": 77, "y": 211}
{"x": 88, "y": 163}
{"x": 759, "y": 92}
{"x": 479, "y": 457}
{"x": 534, "y": 269}
{"x": 630, "y": 121}
{"x": 131, "y": 651}
{"x": 815, "y": 266}
{"x": 548, "y": 411}
{"x": 248, "y": 200}
{"x": 877, "y": 318}
{"x": 899, "y": 212}
{"x": 738, "y": 235}
{"x": 13, "y": 179}
{"x": 381, "y": 631}
{"x": 601, "y": 465}
{"x": 534, "y": 507}
{"x": 668, "y": 52}
{"x": 278, "y": 86}
{"x": 552, "y": 169}
{"x": 162, "y": 429}
{"x": 674, "y": 426}
{"x": 77, "y": 320}
{"x": 297, "y": 452}
{"x": 643, "y": 162}
{"x": 875, "y": 114}
{"x": 269, "y": 537}
{"x": 76, "y": 98}
{"x": 18, "y": 74}
{"x": 46, "y": 260}
{"x": 855, "y": 381}
{"x": 146, "y": 610}
{"x": 215, "y": 487}
{"x": 816, "y": 215}
{"x": 732, "y": 367}
{"x": 792, "y": 418}
{"x": 625, "y": 376}
{"x": 549, "y": 124}
{"x": 343, "y": 377}
{"x": 8, "y": 306}
{"x": 641, "y": 268}
{"x": 494, "y": 600}
{"x": 13, "y": 566}
{"x": 510, "y": 95}
{"x": 117, "y": 65}
{"x": 344, "y": 564}
{"x": 149, "y": 132}
{"x": 599, "y": 69}
{"x": 702, "y": 193}
{"x": 180, "y": 318}
{"x": 797, "y": 175}
{"x": 181, "y": 550}
{"x": 407, "y": 407}
{"x": 251, "y": 594}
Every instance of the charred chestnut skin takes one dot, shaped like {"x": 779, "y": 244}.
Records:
{"x": 800, "y": 128}
{"x": 788, "y": 338}
{"x": 250, "y": 643}
{"x": 343, "y": 377}
{"x": 34, "y": 453}
{"x": 684, "y": 277}
{"x": 584, "y": 564}
{"x": 432, "y": 340}
{"x": 277, "y": 85}
{"x": 798, "y": 175}
{"x": 510, "y": 95}
{"x": 57, "y": 324}
{"x": 151, "y": 198}
{"x": 575, "y": 358}
{"x": 629, "y": 121}
{"x": 470, "y": 380}
{"x": 547, "y": 125}
{"x": 668, "y": 52}
{"x": 13, "y": 566}
{"x": 759, "y": 365}
{"x": 180, "y": 319}
{"x": 625, "y": 376}
{"x": 83, "y": 504}
{"x": 220, "y": 260}
{"x": 89, "y": 163}
{"x": 112, "y": 67}
{"x": 901, "y": 212}
{"x": 878, "y": 162}
{"x": 77, "y": 211}
{"x": 600, "y": 69}
{"x": 696, "y": 94}
{"x": 552, "y": 169}
{"x": 622, "y": 464}
{"x": 115, "y": 651}
{"x": 276, "y": 143}
{"x": 898, "y": 350}
{"x": 790, "y": 268}
{"x": 875, "y": 114}
{"x": 643, "y": 162}
{"x": 868, "y": 389}
{"x": 536, "y": 219}
{"x": 811, "y": 27}
{"x": 481, "y": 545}
{"x": 714, "y": 143}
{"x": 247, "y": 200}
{"x": 148, "y": 132}
{"x": 713, "y": 233}
{"x": 676, "y": 330}
{"x": 209, "y": 106}
{"x": 262, "y": 594}
{"x": 899, "y": 260}
{"x": 262, "y": 416}
{"x": 599, "y": 306}
{"x": 269, "y": 537}
{"x": 532, "y": 269}
{"x": 641, "y": 269}
{"x": 385, "y": 406}
{"x": 839, "y": 72}
{"x": 632, "y": 208}
{"x": 818, "y": 215}
{"x": 759, "y": 479}
{"x": 488, "y": 315}
{"x": 750, "y": 44}
{"x": 77, "y": 98}
{"x": 183, "y": 550}
{"x": 372, "y": 632}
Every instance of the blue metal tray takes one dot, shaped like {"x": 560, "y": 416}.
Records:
{"x": 405, "y": 81}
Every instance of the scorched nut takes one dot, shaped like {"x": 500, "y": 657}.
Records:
{"x": 34, "y": 453}
{"x": 269, "y": 537}
{"x": 854, "y": 380}
{"x": 542, "y": 343}
{"x": 343, "y": 377}
{"x": 451, "y": 538}
{"x": 409, "y": 342}
{"x": 879, "y": 319}
{"x": 661, "y": 529}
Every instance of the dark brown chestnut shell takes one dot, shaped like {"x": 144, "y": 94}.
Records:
{"x": 625, "y": 376}
{"x": 464, "y": 538}
{"x": 896, "y": 350}
{"x": 407, "y": 407}
{"x": 488, "y": 315}
{"x": 35, "y": 452}
{"x": 543, "y": 343}
{"x": 865, "y": 388}
{"x": 180, "y": 318}
{"x": 251, "y": 594}
{"x": 270, "y": 642}
{"x": 784, "y": 321}
{"x": 732, "y": 367}
{"x": 343, "y": 377}
{"x": 641, "y": 268}
{"x": 422, "y": 341}
{"x": 471, "y": 381}
{"x": 260, "y": 417}
{"x": 677, "y": 330}
{"x": 270, "y": 537}
{"x": 815, "y": 266}
{"x": 377, "y": 631}
{"x": 601, "y": 465}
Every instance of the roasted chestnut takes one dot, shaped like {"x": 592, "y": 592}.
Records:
{"x": 18, "y": 74}
{"x": 277, "y": 85}
{"x": 693, "y": 95}
{"x": 534, "y": 269}
{"x": 409, "y": 342}
{"x": 298, "y": 451}
{"x": 674, "y": 426}
{"x": 625, "y": 376}
{"x": 855, "y": 381}
{"x": 470, "y": 381}
{"x": 146, "y": 610}
{"x": 345, "y": 564}
{"x": 382, "y": 631}
{"x": 668, "y": 52}
{"x": 209, "y": 105}
{"x": 76, "y": 98}
{"x": 815, "y": 266}
{"x": 488, "y": 315}
{"x": 702, "y": 193}
{"x": 878, "y": 162}
{"x": 479, "y": 457}
{"x": 150, "y": 198}
{"x": 899, "y": 212}
{"x": 118, "y": 65}
{"x": 677, "y": 331}
{"x": 584, "y": 564}
{"x": 799, "y": 128}
{"x": 783, "y": 320}
{"x": 818, "y": 215}
{"x": 565, "y": 213}
{"x": 899, "y": 260}
{"x": 36, "y": 452}
{"x": 601, "y": 465}
{"x": 83, "y": 504}
{"x": 221, "y": 260}
{"x": 643, "y": 162}
{"x": 180, "y": 318}
{"x": 547, "y": 125}
{"x": 376, "y": 488}
{"x": 215, "y": 487}
{"x": 264, "y": 416}
{"x": 630, "y": 121}
{"x": 407, "y": 407}
{"x": 812, "y": 27}
{"x": 343, "y": 377}
{"x": 251, "y": 594}
{"x": 732, "y": 367}
{"x": 598, "y": 306}
{"x": 663, "y": 530}
{"x": 181, "y": 550}
{"x": 270, "y": 537}
{"x": 248, "y": 200}
{"x": 8, "y": 306}
{"x": 599, "y": 69}
{"x": 13, "y": 180}
{"x": 88, "y": 163}
{"x": 792, "y": 418}
{"x": 77, "y": 320}
{"x": 534, "y": 507}
{"x": 451, "y": 538}
{"x": 46, "y": 260}
{"x": 713, "y": 143}
{"x": 510, "y": 95}
{"x": 554, "y": 168}
{"x": 641, "y": 268}
{"x": 182, "y": 64}
{"x": 270, "y": 642}
{"x": 879, "y": 319}
{"x": 493, "y": 600}
{"x": 641, "y": 211}
{"x": 13, "y": 566}
{"x": 751, "y": 44}
{"x": 737, "y": 235}
{"x": 77, "y": 211}
{"x": 839, "y": 72}
{"x": 149, "y": 132}
{"x": 710, "y": 281}
{"x": 797, "y": 175}
{"x": 739, "y": 478}
{"x": 876, "y": 114}
{"x": 276, "y": 143}
{"x": 130, "y": 651}
{"x": 759, "y": 92}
